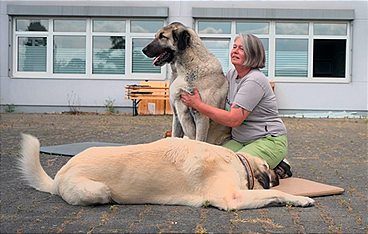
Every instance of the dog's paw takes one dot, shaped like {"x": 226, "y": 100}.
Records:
{"x": 304, "y": 201}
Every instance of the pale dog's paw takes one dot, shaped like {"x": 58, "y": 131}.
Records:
{"x": 304, "y": 201}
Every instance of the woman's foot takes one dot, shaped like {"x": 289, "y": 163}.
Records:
{"x": 283, "y": 169}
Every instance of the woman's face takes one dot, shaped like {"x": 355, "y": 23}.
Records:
{"x": 237, "y": 53}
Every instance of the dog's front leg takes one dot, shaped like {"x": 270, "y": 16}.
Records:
{"x": 202, "y": 123}
{"x": 186, "y": 120}
{"x": 251, "y": 199}
{"x": 177, "y": 130}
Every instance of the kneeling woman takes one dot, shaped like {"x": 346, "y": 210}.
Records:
{"x": 251, "y": 109}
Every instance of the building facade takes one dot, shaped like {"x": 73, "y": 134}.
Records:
{"x": 60, "y": 55}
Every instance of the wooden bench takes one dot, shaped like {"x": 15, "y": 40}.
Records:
{"x": 154, "y": 92}
{"x": 149, "y": 92}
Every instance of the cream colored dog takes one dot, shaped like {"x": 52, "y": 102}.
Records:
{"x": 168, "y": 171}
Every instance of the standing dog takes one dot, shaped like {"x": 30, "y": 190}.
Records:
{"x": 168, "y": 171}
{"x": 193, "y": 67}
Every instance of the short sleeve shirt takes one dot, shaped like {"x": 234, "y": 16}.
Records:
{"x": 253, "y": 93}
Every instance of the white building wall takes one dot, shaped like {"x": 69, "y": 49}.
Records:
{"x": 291, "y": 95}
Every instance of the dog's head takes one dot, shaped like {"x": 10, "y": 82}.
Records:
{"x": 168, "y": 41}
{"x": 265, "y": 176}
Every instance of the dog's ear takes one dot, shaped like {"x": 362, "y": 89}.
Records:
{"x": 182, "y": 38}
{"x": 263, "y": 179}
{"x": 267, "y": 179}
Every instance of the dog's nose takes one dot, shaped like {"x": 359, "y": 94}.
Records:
{"x": 144, "y": 50}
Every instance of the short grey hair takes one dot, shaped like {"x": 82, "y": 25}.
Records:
{"x": 254, "y": 51}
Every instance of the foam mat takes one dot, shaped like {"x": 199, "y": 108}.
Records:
{"x": 73, "y": 149}
{"x": 309, "y": 188}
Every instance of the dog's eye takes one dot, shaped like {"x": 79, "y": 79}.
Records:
{"x": 161, "y": 36}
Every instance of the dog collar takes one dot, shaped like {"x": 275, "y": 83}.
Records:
{"x": 248, "y": 170}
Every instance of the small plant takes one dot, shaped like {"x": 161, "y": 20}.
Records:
{"x": 206, "y": 204}
{"x": 109, "y": 105}
{"x": 9, "y": 108}
{"x": 200, "y": 230}
{"x": 73, "y": 103}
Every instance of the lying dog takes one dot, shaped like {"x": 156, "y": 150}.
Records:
{"x": 168, "y": 171}
{"x": 193, "y": 66}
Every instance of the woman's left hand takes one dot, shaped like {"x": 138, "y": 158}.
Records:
{"x": 191, "y": 100}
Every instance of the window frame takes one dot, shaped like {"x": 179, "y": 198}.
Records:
{"x": 272, "y": 36}
{"x": 129, "y": 75}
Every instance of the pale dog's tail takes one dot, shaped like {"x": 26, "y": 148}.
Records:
{"x": 30, "y": 166}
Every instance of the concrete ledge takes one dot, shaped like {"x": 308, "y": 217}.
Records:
{"x": 270, "y": 13}
{"x": 23, "y": 10}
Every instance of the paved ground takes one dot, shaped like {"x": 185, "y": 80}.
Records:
{"x": 332, "y": 151}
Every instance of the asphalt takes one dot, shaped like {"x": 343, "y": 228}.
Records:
{"x": 332, "y": 151}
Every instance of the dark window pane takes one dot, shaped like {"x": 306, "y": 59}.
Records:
{"x": 329, "y": 56}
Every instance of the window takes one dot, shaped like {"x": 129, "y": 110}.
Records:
{"x": 32, "y": 54}
{"x": 297, "y": 51}
{"x": 69, "y": 25}
{"x": 291, "y": 53}
{"x": 112, "y": 26}
{"x": 108, "y": 46}
{"x": 108, "y": 55}
{"x": 31, "y": 47}
{"x": 211, "y": 27}
{"x": 140, "y": 63}
{"x": 84, "y": 48}
{"x": 329, "y": 50}
{"x": 266, "y": 47}
{"x": 252, "y": 27}
{"x": 69, "y": 54}
{"x": 220, "y": 48}
{"x": 291, "y": 57}
{"x": 259, "y": 28}
{"x": 329, "y": 58}
{"x": 31, "y": 25}
{"x": 291, "y": 28}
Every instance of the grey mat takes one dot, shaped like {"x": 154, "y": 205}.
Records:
{"x": 73, "y": 149}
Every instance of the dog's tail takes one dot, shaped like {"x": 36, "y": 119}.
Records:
{"x": 30, "y": 166}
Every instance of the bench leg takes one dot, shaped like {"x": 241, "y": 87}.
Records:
{"x": 135, "y": 106}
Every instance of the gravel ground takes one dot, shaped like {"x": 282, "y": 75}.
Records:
{"x": 332, "y": 151}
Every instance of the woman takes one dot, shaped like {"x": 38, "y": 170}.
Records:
{"x": 251, "y": 109}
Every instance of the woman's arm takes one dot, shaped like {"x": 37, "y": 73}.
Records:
{"x": 232, "y": 118}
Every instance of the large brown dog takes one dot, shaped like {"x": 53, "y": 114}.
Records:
{"x": 193, "y": 66}
{"x": 169, "y": 171}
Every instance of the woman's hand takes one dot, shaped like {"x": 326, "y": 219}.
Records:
{"x": 232, "y": 118}
{"x": 191, "y": 100}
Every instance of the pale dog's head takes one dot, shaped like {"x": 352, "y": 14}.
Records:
{"x": 168, "y": 41}
{"x": 265, "y": 176}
